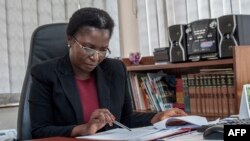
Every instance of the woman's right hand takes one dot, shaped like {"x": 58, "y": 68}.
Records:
{"x": 98, "y": 119}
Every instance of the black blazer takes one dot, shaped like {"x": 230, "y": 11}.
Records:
{"x": 55, "y": 106}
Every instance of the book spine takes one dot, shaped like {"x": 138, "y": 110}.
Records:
{"x": 186, "y": 94}
{"x": 219, "y": 95}
{"x": 231, "y": 94}
{"x": 214, "y": 95}
{"x": 209, "y": 95}
{"x": 139, "y": 93}
{"x": 144, "y": 95}
{"x": 191, "y": 90}
{"x": 197, "y": 93}
{"x": 179, "y": 91}
{"x": 129, "y": 79}
{"x": 202, "y": 94}
{"x": 224, "y": 96}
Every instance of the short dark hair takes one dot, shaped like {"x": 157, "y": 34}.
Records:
{"x": 92, "y": 17}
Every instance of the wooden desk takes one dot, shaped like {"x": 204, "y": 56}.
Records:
{"x": 56, "y": 139}
{"x": 61, "y": 139}
{"x": 182, "y": 131}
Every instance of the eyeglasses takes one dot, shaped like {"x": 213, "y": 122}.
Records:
{"x": 91, "y": 52}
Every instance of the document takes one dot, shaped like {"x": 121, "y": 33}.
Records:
{"x": 122, "y": 134}
{"x": 191, "y": 121}
{"x": 158, "y": 130}
{"x": 9, "y": 134}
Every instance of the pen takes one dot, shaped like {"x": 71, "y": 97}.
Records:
{"x": 121, "y": 125}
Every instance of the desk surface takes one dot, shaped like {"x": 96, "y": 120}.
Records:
{"x": 190, "y": 136}
{"x": 60, "y": 139}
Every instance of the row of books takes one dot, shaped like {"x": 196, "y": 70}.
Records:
{"x": 208, "y": 93}
{"x": 152, "y": 91}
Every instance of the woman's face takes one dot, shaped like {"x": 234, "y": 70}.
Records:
{"x": 88, "y": 48}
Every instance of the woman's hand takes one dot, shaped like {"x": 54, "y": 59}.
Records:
{"x": 168, "y": 113}
{"x": 98, "y": 119}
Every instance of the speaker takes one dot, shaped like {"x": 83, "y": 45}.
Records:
{"x": 233, "y": 30}
{"x": 177, "y": 40}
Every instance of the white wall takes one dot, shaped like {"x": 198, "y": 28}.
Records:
{"x": 128, "y": 27}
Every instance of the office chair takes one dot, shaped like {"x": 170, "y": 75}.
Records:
{"x": 47, "y": 42}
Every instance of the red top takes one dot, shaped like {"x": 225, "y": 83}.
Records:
{"x": 88, "y": 94}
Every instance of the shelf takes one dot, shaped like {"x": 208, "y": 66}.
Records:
{"x": 239, "y": 64}
{"x": 185, "y": 65}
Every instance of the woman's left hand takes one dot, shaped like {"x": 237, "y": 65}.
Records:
{"x": 173, "y": 112}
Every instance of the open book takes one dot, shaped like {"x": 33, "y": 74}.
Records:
{"x": 189, "y": 122}
{"x": 158, "y": 130}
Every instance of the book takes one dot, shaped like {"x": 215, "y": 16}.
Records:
{"x": 191, "y": 92}
{"x": 186, "y": 94}
{"x": 231, "y": 94}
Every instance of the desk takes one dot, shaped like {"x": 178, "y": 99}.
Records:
{"x": 60, "y": 139}
{"x": 189, "y": 136}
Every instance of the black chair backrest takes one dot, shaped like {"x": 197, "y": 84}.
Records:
{"x": 47, "y": 42}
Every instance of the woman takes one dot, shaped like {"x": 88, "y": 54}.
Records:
{"x": 84, "y": 92}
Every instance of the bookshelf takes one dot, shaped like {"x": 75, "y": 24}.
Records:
{"x": 239, "y": 63}
{"x": 241, "y": 69}
{"x": 183, "y": 66}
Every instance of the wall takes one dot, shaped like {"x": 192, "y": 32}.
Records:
{"x": 128, "y": 27}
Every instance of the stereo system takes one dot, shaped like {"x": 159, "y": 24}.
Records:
{"x": 202, "y": 40}
{"x": 208, "y": 38}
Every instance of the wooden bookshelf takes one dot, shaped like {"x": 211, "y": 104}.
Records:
{"x": 239, "y": 62}
{"x": 241, "y": 69}
{"x": 178, "y": 68}
{"x": 187, "y": 65}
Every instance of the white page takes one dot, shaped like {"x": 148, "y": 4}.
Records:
{"x": 193, "y": 122}
{"x": 8, "y": 134}
{"x": 122, "y": 134}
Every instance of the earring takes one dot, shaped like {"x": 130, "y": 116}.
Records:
{"x": 68, "y": 45}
